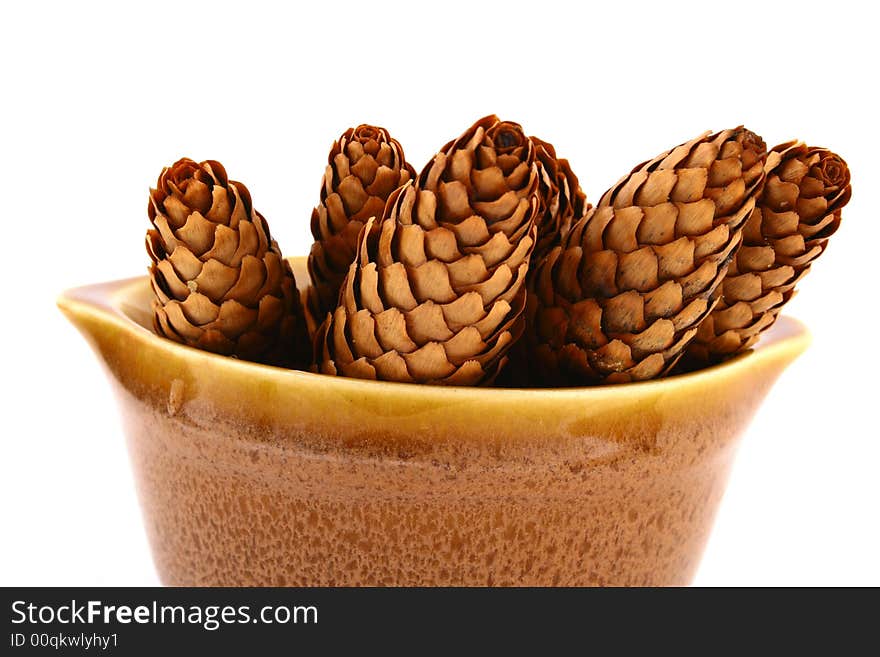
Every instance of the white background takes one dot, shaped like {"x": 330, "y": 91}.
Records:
{"x": 96, "y": 99}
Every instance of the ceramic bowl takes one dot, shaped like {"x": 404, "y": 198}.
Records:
{"x": 255, "y": 475}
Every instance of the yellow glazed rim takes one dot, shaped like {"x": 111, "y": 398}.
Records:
{"x": 110, "y": 305}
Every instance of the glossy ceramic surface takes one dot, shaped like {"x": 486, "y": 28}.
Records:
{"x": 250, "y": 474}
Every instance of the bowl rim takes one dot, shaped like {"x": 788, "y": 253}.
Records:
{"x": 104, "y": 303}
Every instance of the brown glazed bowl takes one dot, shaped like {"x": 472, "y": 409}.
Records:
{"x": 255, "y": 475}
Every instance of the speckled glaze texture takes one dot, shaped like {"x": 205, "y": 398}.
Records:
{"x": 254, "y": 475}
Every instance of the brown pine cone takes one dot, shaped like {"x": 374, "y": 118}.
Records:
{"x": 623, "y": 295}
{"x": 221, "y": 284}
{"x": 365, "y": 165}
{"x": 439, "y": 298}
{"x": 797, "y": 212}
{"x": 562, "y": 200}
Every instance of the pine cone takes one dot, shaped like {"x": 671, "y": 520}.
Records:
{"x": 797, "y": 212}
{"x": 439, "y": 299}
{"x": 365, "y": 165}
{"x": 623, "y": 295}
{"x": 221, "y": 284}
{"x": 562, "y": 200}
